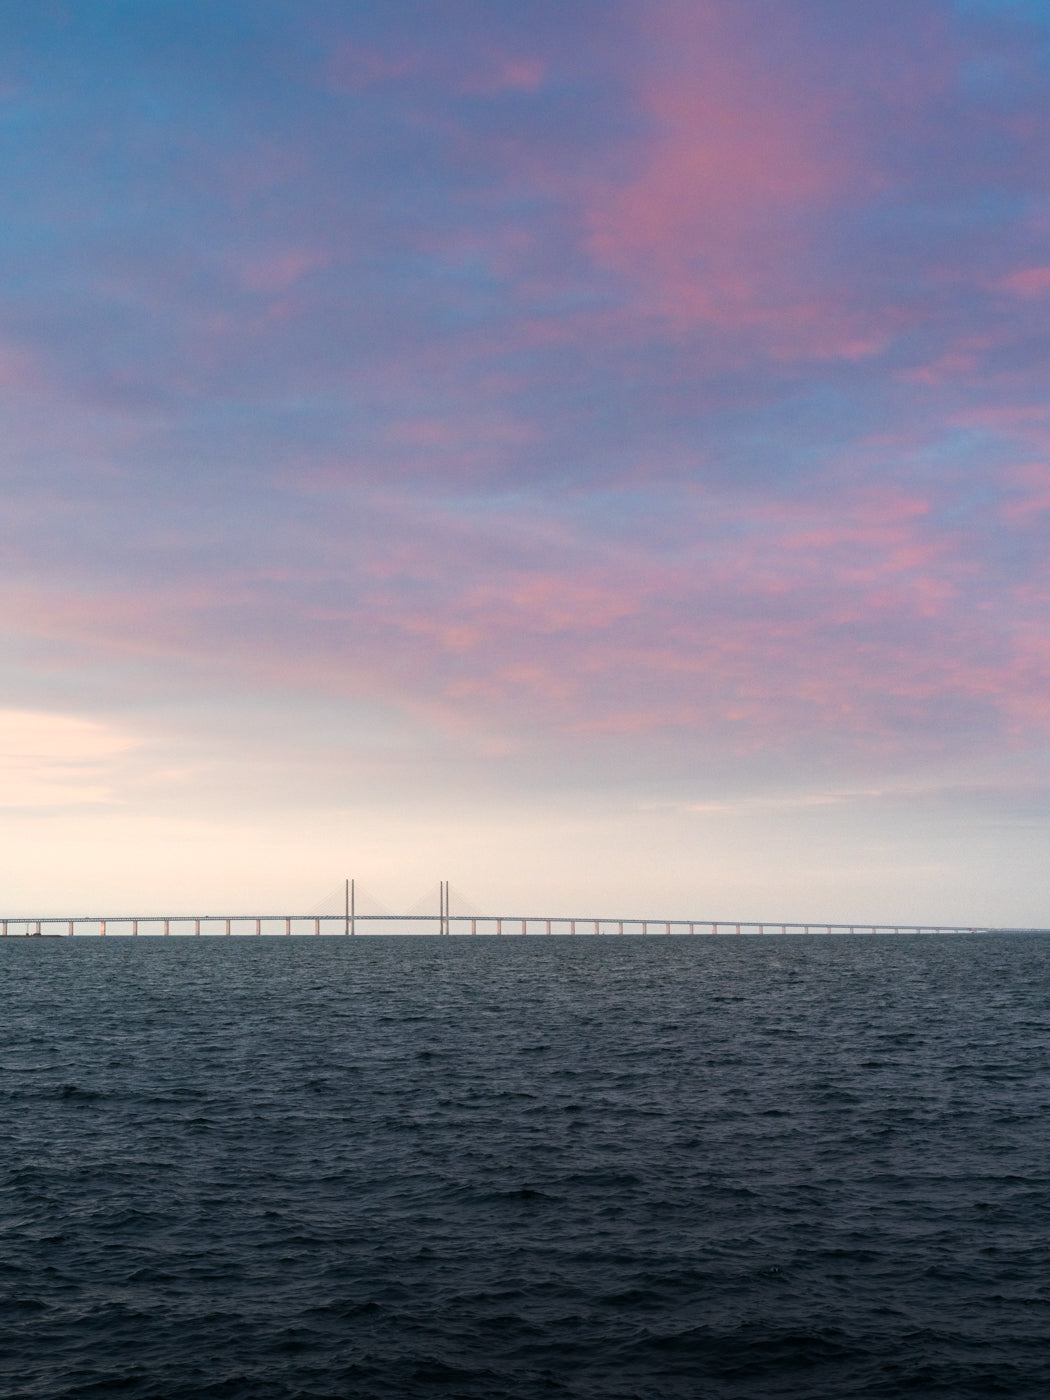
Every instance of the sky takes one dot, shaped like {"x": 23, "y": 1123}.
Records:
{"x": 597, "y": 453}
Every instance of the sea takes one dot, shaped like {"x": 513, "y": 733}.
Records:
{"x": 536, "y": 1168}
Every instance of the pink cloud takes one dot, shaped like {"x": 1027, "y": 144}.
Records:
{"x": 1028, "y": 282}
{"x": 468, "y": 439}
{"x": 276, "y": 271}
{"x": 501, "y": 72}
{"x": 851, "y": 615}
{"x": 585, "y": 657}
{"x": 711, "y": 225}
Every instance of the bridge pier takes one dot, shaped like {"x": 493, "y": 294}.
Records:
{"x": 135, "y": 927}
{"x": 197, "y": 928}
{"x": 288, "y": 926}
{"x": 102, "y": 928}
{"x": 258, "y": 927}
{"x": 227, "y": 928}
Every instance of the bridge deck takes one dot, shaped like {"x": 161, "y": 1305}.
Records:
{"x": 446, "y": 925}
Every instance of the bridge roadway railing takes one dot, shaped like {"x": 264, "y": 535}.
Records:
{"x": 446, "y": 925}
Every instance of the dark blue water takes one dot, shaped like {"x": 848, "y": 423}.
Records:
{"x": 603, "y": 1168}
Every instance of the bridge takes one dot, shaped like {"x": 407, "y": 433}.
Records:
{"x": 500, "y": 924}
{"x": 350, "y": 922}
